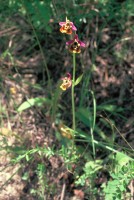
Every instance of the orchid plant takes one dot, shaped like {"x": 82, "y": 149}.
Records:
{"x": 74, "y": 46}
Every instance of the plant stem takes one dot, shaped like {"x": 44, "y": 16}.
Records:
{"x": 93, "y": 124}
{"x": 73, "y": 85}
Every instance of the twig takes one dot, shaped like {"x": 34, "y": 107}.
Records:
{"x": 132, "y": 189}
{"x": 63, "y": 192}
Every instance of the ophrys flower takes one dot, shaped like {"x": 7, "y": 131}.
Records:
{"x": 67, "y": 27}
{"x": 75, "y": 45}
{"x": 67, "y": 82}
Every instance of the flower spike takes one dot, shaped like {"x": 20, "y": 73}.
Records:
{"x": 75, "y": 45}
{"x": 67, "y": 27}
{"x": 67, "y": 82}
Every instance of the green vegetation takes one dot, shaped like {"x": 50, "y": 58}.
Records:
{"x": 66, "y": 118}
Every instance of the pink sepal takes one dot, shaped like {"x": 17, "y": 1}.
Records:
{"x": 82, "y": 44}
{"x": 68, "y": 76}
{"x": 69, "y": 42}
{"x": 62, "y": 23}
{"x": 73, "y": 26}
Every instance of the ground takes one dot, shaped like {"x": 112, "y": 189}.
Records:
{"x": 21, "y": 76}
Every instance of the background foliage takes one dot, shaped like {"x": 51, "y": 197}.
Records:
{"x": 33, "y": 58}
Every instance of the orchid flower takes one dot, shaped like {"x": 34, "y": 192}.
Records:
{"x": 75, "y": 45}
{"x": 67, "y": 82}
{"x": 67, "y": 27}
{"x": 65, "y": 131}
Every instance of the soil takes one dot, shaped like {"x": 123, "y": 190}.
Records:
{"x": 112, "y": 79}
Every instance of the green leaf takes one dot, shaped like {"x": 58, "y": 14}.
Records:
{"x": 39, "y": 101}
{"x": 78, "y": 80}
{"x": 27, "y": 157}
{"x": 84, "y": 116}
{"x": 122, "y": 188}
{"x": 110, "y": 108}
{"x": 121, "y": 160}
{"x": 25, "y": 176}
{"x": 91, "y": 167}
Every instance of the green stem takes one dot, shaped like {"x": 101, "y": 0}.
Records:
{"x": 73, "y": 85}
{"x": 93, "y": 124}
